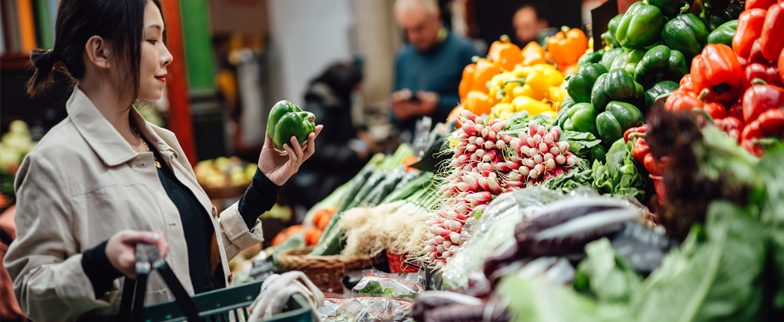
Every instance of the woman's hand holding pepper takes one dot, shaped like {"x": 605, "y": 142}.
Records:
{"x": 280, "y": 167}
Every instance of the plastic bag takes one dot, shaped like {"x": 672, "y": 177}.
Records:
{"x": 364, "y": 309}
{"x": 494, "y": 227}
{"x": 402, "y": 287}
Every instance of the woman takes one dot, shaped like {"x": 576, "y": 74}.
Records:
{"x": 343, "y": 149}
{"x": 105, "y": 180}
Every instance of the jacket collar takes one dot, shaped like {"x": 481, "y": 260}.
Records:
{"x": 107, "y": 143}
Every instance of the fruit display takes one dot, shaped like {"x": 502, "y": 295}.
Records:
{"x": 224, "y": 172}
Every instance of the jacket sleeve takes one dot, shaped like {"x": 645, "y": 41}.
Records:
{"x": 235, "y": 233}
{"x": 44, "y": 261}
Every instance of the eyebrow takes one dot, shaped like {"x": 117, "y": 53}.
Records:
{"x": 156, "y": 26}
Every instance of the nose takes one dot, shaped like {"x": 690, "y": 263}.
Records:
{"x": 166, "y": 57}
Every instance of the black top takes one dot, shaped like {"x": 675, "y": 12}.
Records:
{"x": 197, "y": 226}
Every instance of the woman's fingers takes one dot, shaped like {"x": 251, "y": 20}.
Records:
{"x": 312, "y": 143}
{"x": 297, "y": 148}
{"x": 292, "y": 155}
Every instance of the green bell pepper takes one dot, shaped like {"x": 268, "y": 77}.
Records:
{"x": 286, "y": 120}
{"x": 618, "y": 118}
{"x": 660, "y": 63}
{"x": 563, "y": 112}
{"x": 628, "y": 61}
{"x": 581, "y": 118}
{"x": 612, "y": 28}
{"x": 598, "y": 153}
{"x": 592, "y": 58}
{"x": 617, "y": 85}
{"x": 713, "y": 21}
{"x": 661, "y": 88}
{"x": 581, "y": 83}
{"x": 670, "y": 8}
{"x": 640, "y": 27}
{"x": 687, "y": 34}
{"x": 724, "y": 34}
{"x": 609, "y": 56}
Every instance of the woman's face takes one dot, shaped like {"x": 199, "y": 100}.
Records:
{"x": 155, "y": 56}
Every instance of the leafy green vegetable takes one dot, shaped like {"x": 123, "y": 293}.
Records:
{"x": 773, "y": 215}
{"x": 620, "y": 176}
{"x": 517, "y": 121}
{"x": 580, "y": 177}
{"x": 580, "y": 143}
{"x": 605, "y": 274}
{"x": 536, "y": 300}
{"x": 715, "y": 275}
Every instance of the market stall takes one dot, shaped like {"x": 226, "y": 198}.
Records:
{"x": 638, "y": 180}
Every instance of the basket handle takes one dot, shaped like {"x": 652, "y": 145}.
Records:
{"x": 132, "y": 303}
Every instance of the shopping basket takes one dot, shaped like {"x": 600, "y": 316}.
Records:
{"x": 228, "y": 304}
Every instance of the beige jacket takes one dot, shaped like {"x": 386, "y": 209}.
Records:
{"x": 82, "y": 184}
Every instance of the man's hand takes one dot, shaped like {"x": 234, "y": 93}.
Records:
{"x": 404, "y": 107}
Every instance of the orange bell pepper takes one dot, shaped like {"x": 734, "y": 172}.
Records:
{"x": 505, "y": 53}
{"x": 478, "y": 103}
{"x": 533, "y": 54}
{"x": 484, "y": 72}
{"x": 467, "y": 80}
{"x": 455, "y": 113}
{"x": 571, "y": 69}
{"x": 567, "y": 46}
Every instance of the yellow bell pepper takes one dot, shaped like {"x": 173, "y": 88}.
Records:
{"x": 528, "y": 91}
{"x": 532, "y": 106}
{"x": 502, "y": 110}
{"x": 549, "y": 113}
{"x": 557, "y": 94}
{"x": 497, "y": 83}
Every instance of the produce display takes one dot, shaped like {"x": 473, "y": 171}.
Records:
{"x": 636, "y": 177}
{"x": 595, "y": 185}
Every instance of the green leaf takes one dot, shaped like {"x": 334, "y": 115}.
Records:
{"x": 605, "y": 274}
{"x": 713, "y": 277}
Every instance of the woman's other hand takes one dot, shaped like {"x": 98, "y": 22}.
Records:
{"x": 280, "y": 167}
{"x": 121, "y": 248}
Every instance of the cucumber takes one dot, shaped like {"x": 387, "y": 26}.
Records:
{"x": 371, "y": 184}
{"x": 386, "y": 187}
{"x": 409, "y": 188}
{"x": 356, "y": 186}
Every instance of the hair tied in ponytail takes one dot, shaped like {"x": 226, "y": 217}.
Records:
{"x": 44, "y": 60}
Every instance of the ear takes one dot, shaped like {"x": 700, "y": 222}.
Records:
{"x": 98, "y": 51}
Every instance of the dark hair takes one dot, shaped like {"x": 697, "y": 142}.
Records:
{"x": 119, "y": 22}
{"x": 541, "y": 11}
{"x": 341, "y": 78}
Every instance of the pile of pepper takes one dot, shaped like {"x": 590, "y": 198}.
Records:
{"x": 740, "y": 87}
{"x": 511, "y": 80}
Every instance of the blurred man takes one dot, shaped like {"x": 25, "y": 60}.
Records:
{"x": 427, "y": 69}
{"x": 530, "y": 24}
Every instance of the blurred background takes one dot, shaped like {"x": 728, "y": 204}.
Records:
{"x": 235, "y": 58}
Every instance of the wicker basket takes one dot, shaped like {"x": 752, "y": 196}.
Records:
{"x": 326, "y": 271}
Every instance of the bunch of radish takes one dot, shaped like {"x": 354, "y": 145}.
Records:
{"x": 539, "y": 154}
{"x": 486, "y": 163}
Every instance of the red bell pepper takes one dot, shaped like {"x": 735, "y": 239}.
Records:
{"x": 717, "y": 70}
{"x": 750, "y": 25}
{"x": 772, "y": 123}
{"x": 736, "y": 110}
{"x": 640, "y": 150}
{"x": 640, "y": 129}
{"x": 781, "y": 67}
{"x": 759, "y": 71}
{"x": 731, "y": 125}
{"x": 650, "y": 164}
{"x": 686, "y": 82}
{"x": 682, "y": 100}
{"x": 751, "y": 133}
{"x": 759, "y": 98}
{"x": 755, "y": 56}
{"x": 761, "y": 4}
{"x": 771, "y": 40}
{"x": 715, "y": 110}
